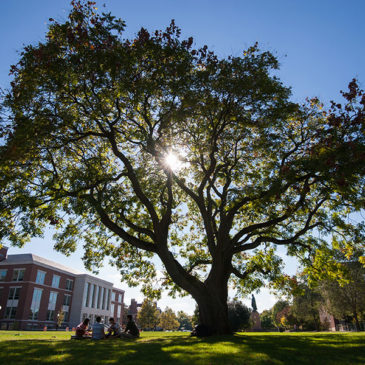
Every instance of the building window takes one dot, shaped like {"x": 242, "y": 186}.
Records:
{"x": 36, "y": 302}
{"x": 91, "y": 299}
{"x": 52, "y": 305}
{"x": 55, "y": 281}
{"x": 113, "y": 296}
{"x": 119, "y": 311}
{"x": 65, "y": 316}
{"x": 97, "y": 297}
{"x": 10, "y": 312}
{"x": 52, "y": 300}
{"x": 12, "y": 304}
{"x": 66, "y": 299}
{"x": 50, "y": 315}
{"x": 112, "y": 309}
{"x": 40, "y": 277}
{"x": 86, "y": 294}
{"x": 93, "y": 287}
{"x": 3, "y": 273}
{"x": 103, "y": 297}
{"x": 108, "y": 300}
{"x": 18, "y": 274}
{"x": 69, "y": 284}
{"x": 14, "y": 293}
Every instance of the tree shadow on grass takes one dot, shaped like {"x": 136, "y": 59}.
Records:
{"x": 88, "y": 352}
{"x": 307, "y": 349}
{"x": 238, "y": 349}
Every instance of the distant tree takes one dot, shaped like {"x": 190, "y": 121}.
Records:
{"x": 168, "y": 320}
{"x": 266, "y": 319}
{"x": 60, "y": 318}
{"x": 195, "y": 316}
{"x": 150, "y": 147}
{"x": 278, "y": 311}
{"x": 148, "y": 315}
{"x": 346, "y": 299}
{"x": 238, "y": 316}
{"x": 305, "y": 308}
{"x": 185, "y": 320}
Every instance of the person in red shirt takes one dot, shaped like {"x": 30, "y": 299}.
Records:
{"x": 82, "y": 329}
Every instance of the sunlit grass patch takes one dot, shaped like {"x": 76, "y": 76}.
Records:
{"x": 18, "y": 347}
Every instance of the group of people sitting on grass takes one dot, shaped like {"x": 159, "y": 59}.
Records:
{"x": 98, "y": 330}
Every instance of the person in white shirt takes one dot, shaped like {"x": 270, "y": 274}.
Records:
{"x": 98, "y": 330}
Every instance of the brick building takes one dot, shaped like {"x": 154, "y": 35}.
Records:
{"x": 35, "y": 291}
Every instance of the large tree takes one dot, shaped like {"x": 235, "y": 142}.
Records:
{"x": 150, "y": 148}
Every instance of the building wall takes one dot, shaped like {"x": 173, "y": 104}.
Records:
{"x": 94, "y": 306}
{"x": 77, "y": 308}
{"x": 117, "y": 302}
{"x": 27, "y": 286}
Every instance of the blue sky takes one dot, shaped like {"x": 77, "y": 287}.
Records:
{"x": 320, "y": 46}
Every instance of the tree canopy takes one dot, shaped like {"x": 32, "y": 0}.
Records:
{"x": 168, "y": 320}
{"x": 150, "y": 148}
{"x": 148, "y": 316}
{"x": 346, "y": 297}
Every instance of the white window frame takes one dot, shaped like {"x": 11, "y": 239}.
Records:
{"x": 53, "y": 281}
{"x": 72, "y": 284}
{"x": 33, "y": 307}
{"x": 69, "y": 300}
{"x": 44, "y": 277}
{"x": 19, "y": 269}
{"x": 52, "y": 305}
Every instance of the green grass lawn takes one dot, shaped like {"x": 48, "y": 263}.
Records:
{"x": 18, "y": 347}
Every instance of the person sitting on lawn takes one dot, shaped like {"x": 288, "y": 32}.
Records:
{"x": 131, "y": 329}
{"x": 82, "y": 329}
{"x": 114, "y": 329}
{"x": 98, "y": 329}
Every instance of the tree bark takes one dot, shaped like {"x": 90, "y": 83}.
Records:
{"x": 213, "y": 313}
{"x": 357, "y": 323}
{"x": 212, "y": 302}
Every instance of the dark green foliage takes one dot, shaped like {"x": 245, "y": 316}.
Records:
{"x": 185, "y": 321}
{"x": 306, "y": 307}
{"x": 238, "y": 316}
{"x": 346, "y": 299}
{"x": 148, "y": 316}
{"x": 277, "y": 310}
{"x": 267, "y": 319}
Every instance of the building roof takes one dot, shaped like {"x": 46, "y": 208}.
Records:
{"x": 29, "y": 258}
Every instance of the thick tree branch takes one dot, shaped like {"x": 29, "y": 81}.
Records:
{"x": 104, "y": 217}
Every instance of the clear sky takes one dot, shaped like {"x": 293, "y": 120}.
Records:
{"x": 320, "y": 45}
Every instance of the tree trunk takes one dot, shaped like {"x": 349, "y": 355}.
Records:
{"x": 357, "y": 323}
{"x": 213, "y": 313}
{"x": 213, "y": 308}
{"x": 211, "y": 296}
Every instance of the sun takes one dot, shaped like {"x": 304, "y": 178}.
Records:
{"x": 172, "y": 161}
